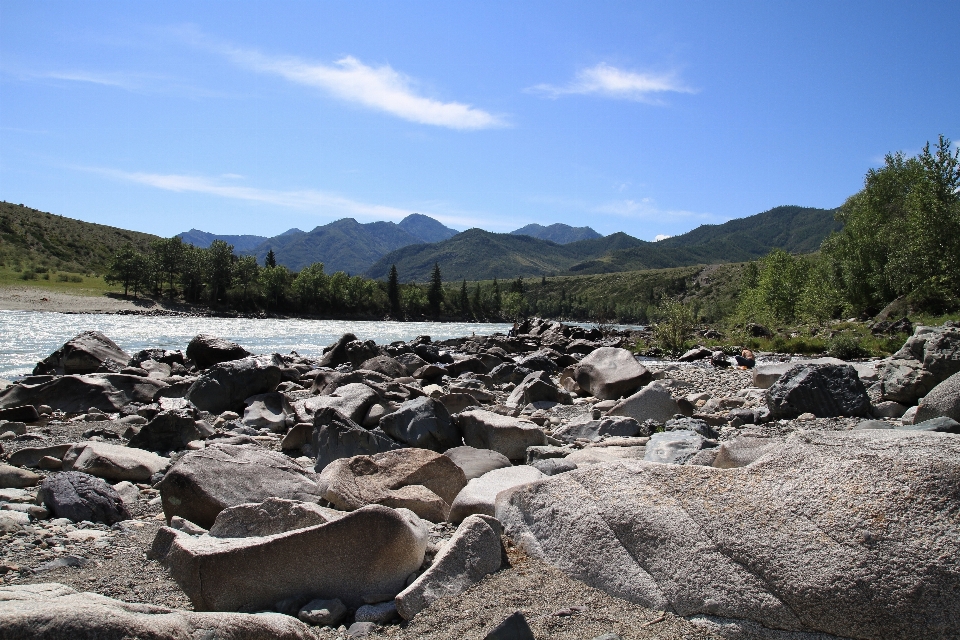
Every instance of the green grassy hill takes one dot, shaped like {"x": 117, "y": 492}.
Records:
{"x": 31, "y": 238}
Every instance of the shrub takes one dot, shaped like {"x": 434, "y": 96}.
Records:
{"x": 28, "y": 274}
{"x": 675, "y": 322}
{"x": 846, "y": 346}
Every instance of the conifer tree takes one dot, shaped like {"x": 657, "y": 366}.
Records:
{"x": 270, "y": 260}
{"x": 435, "y": 292}
{"x": 393, "y": 291}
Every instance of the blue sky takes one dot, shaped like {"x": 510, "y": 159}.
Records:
{"x": 649, "y": 118}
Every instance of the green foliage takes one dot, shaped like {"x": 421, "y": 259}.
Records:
{"x": 783, "y": 289}
{"x": 674, "y": 325}
{"x": 901, "y": 233}
{"x": 846, "y": 346}
{"x": 270, "y": 260}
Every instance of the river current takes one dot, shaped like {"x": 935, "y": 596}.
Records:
{"x": 29, "y": 336}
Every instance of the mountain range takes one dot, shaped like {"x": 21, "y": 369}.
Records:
{"x": 347, "y": 245}
{"x": 480, "y": 255}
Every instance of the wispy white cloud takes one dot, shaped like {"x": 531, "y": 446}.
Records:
{"x": 661, "y": 236}
{"x": 381, "y": 88}
{"x": 308, "y": 200}
{"x": 610, "y": 82}
{"x": 140, "y": 83}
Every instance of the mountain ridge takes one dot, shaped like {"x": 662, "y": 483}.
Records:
{"x": 557, "y": 232}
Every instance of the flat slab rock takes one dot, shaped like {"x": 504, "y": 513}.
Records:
{"x": 848, "y": 533}
{"x": 52, "y": 611}
{"x": 371, "y": 551}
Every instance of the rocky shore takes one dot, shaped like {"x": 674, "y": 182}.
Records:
{"x": 543, "y": 485}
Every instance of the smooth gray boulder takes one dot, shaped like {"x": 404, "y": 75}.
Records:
{"x": 423, "y": 481}
{"x": 942, "y": 401}
{"x": 113, "y": 462}
{"x": 336, "y": 436}
{"x": 535, "y": 388}
{"x": 846, "y": 533}
{"x": 270, "y": 517}
{"x": 653, "y": 402}
{"x": 476, "y": 462}
{"x": 610, "y": 373}
{"x": 352, "y": 400}
{"x": 206, "y": 351}
{"x": 509, "y": 436}
{"x": 369, "y": 551}
{"x": 825, "y": 390}
{"x": 593, "y": 430}
{"x": 480, "y": 494}
{"x": 88, "y": 352}
{"x": 553, "y": 466}
{"x": 268, "y": 410}
{"x": 225, "y": 386}
{"x": 424, "y": 423}
{"x": 80, "y": 496}
{"x": 52, "y": 611}
{"x": 385, "y": 365}
{"x": 927, "y": 358}
{"x": 108, "y": 392}
{"x": 203, "y": 483}
{"x": 17, "y": 478}
{"x": 674, "y": 447}
{"x": 473, "y": 552}
{"x": 742, "y": 451}
{"x": 170, "y": 430}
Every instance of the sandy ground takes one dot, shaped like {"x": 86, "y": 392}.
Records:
{"x": 17, "y": 298}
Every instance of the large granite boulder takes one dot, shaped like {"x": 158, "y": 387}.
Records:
{"x": 336, "y": 436}
{"x": 203, "y": 483}
{"x": 476, "y": 462}
{"x": 825, "y": 390}
{"x": 370, "y": 552}
{"x": 927, "y": 358}
{"x": 52, "y": 611}
{"x": 170, "y": 431}
{"x": 846, "y": 533}
{"x": 225, "y": 386}
{"x": 206, "y": 351}
{"x": 89, "y": 352}
{"x": 423, "y": 481}
{"x": 75, "y": 394}
{"x": 386, "y": 365}
{"x": 509, "y": 436}
{"x": 424, "y": 423}
{"x": 942, "y": 401}
{"x": 480, "y": 494}
{"x": 610, "y": 373}
{"x": 113, "y": 462}
{"x": 653, "y": 402}
{"x": 473, "y": 552}
{"x": 79, "y": 496}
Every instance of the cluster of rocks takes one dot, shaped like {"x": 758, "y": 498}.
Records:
{"x": 801, "y": 496}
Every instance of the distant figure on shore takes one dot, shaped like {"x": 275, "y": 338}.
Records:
{"x": 746, "y": 360}
{"x": 512, "y": 333}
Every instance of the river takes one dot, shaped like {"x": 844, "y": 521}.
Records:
{"x": 29, "y": 336}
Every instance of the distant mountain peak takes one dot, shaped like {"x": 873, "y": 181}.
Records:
{"x": 557, "y": 232}
{"x": 426, "y": 228}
